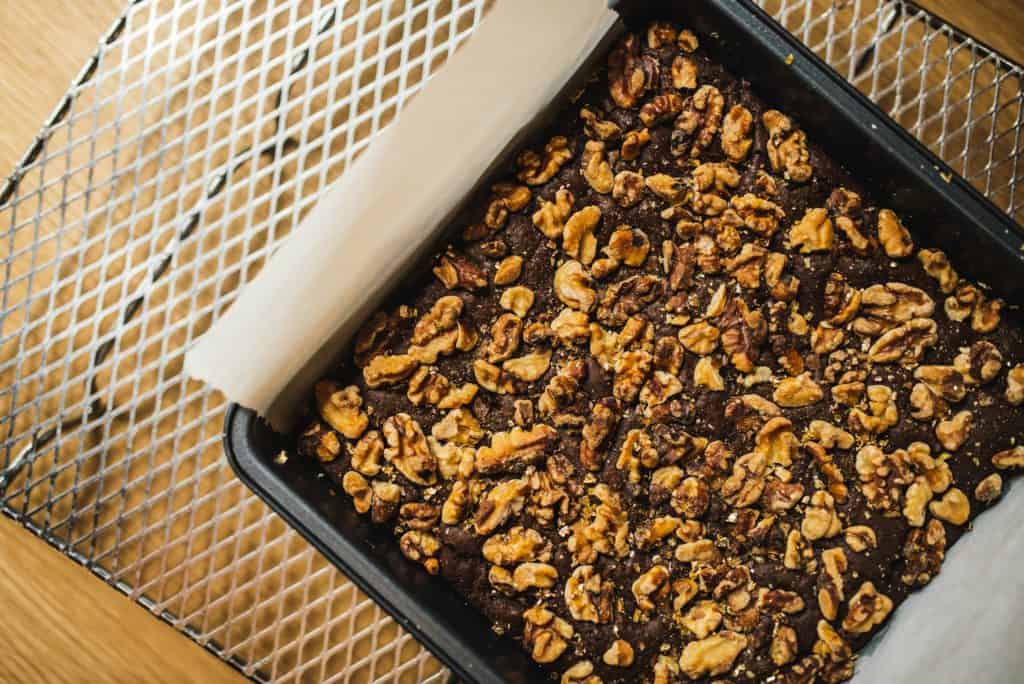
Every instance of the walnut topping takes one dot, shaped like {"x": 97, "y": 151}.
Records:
{"x": 341, "y": 408}
{"x": 628, "y": 246}
{"x": 759, "y": 215}
{"x": 660, "y": 108}
{"x": 797, "y": 392}
{"x": 684, "y": 73}
{"x": 627, "y": 188}
{"x": 407, "y": 450}
{"x": 776, "y": 442}
{"x": 883, "y": 307}
{"x": 587, "y": 596}
{"x": 506, "y": 333}
{"x": 545, "y": 634}
{"x": 619, "y": 654}
{"x": 649, "y": 585}
{"x": 458, "y": 426}
{"x": 867, "y": 609}
{"x": 833, "y": 654}
{"x": 813, "y": 233}
{"x": 580, "y": 673}
{"x": 980, "y": 363}
{"x": 713, "y": 655}
{"x": 787, "y": 147}
{"x": 698, "y": 124}
{"x": 630, "y": 74}
{"x": 737, "y": 136}
{"x": 895, "y": 239}
{"x": 502, "y": 501}
{"x": 603, "y": 420}
{"x": 419, "y": 516}
{"x": 389, "y": 370}
{"x": 938, "y": 267}
{"x": 703, "y": 619}
{"x": 1009, "y": 458}
{"x": 798, "y": 555}
{"x": 881, "y": 415}
{"x": 456, "y": 505}
{"x": 699, "y": 338}
{"x": 985, "y": 317}
{"x": 356, "y": 486}
{"x": 746, "y": 483}
{"x": 830, "y": 583}
{"x": 905, "y": 343}
{"x": 551, "y": 216}
{"x": 705, "y": 374}
{"x": 954, "y": 507}
{"x": 691, "y": 498}
{"x": 713, "y": 182}
{"x": 820, "y": 519}
{"x": 989, "y": 489}
{"x": 508, "y": 270}
{"x": 572, "y": 286}
{"x": 667, "y": 187}
{"x": 607, "y": 532}
{"x": 1015, "y": 385}
{"x": 943, "y": 381}
{"x": 421, "y": 547}
{"x": 633, "y": 144}
{"x": 596, "y": 169}
{"x": 525, "y": 576}
{"x": 923, "y": 551}
{"x": 512, "y": 449}
{"x": 860, "y": 538}
{"x": 828, "y": 435}
{"x": 528, "y": 368}
{"x": 784, "y": 645}
{"x": 517, "y": 299}
{"x": 598, "y": 128}
{"x": 507, "y": 197}
{"x": 537, "y": 170}
{"x": 953, "y": 433}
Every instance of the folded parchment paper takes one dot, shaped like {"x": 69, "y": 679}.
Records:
{"x": 283, "y": 331}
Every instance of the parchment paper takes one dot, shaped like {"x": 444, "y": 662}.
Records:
{"x": 966, "y": 626}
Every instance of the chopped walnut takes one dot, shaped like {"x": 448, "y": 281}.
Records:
{"x": 882, "y": 412}
{"x": 746, "y": 483}
{"x": 660, "y": 108}
{"x": 1015, "y": 385}
{"x": 517, "y": 299}
{"x": 508, "y": 270}
{"x": 698, "y": 124}
{"x": 456, "y": 505}
{"x": 607, "y": 532}
{"x": 938, "y": 267}
{"x": 867, "y": 609}
{"x": 759, "y": 215}
{"x": 813, "y": 233}
{"x": 367, "y": 453}
{"x": 989, "y": 489}
{"x": 630, "y": 74}
{"x": 580, "y": 673}
{"x": 506, "y": 334}
{"x": 953, "y": 433}
{"x": 737, "y": 135}
{"x": 649, "y": 585}
{"x": 980, "y": 363}
{"x": 619, "y": 654}
{"x": 356, "y": 486}
{"x": 421, "y": 547}
{"x": 699, "y": 338}
{"x": 820, "y": 518}
{"x": 860, "y": 538}
{"x": 458, "y": 426}
{"x": 798, "y": 555}
{"x": 954, "y": 507}
{"x": 545, "y": 634}
{"x": 702, "y": 619}
{"x": 895, "y": 239}
{"x": 525, "y": 576}
{"x": 923, "y": 551}
{"x": 341, "y": 408}
{"x": 596, "y": 169}
{"x": 572, "y": 286}
{"x": 787, "y": 147}
{"x": 784, "y": 645}
{"x": 628, "y": 246}
{"x": 713, "y": 655}
{"x": 502, "y": 501}
{"x": 598, "y": 128}
{"x": 883, "y": 307}
{"x": 537, "y": 170}
{"x": 705, "y": 374}
{"x": 712, "y": 182}
{"x": 389, "y": 370}
{"x": 551, "y": 216}
{"x": 943, "y": 381}
{"x": 905, "y": 343}
{"x": 323, "y": 442}
{"x": 830, "y": 583}
{"x": 633, "y": 144}
{"x": 587, "y": 596}
{"x": 518, "y": 447}
{"x": 667, "y": 187}
{"x": 985, "y": 317}
{"x": 797, "y": 392}
{"x": 437, "y": 332}
{"x": 603, "y": 420}
{"x": 684, "y": 73}
{"x": 627, "y": 188}
{"x": 408, "y": 451}
{"x": 776, "y": 442}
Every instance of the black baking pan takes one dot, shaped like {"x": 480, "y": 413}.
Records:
{"x": 942, "y": 210}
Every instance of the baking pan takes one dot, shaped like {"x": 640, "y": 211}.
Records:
{"x": 942, "y": 210}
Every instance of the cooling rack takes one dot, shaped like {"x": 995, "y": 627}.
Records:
{"x": 192, "y": 141}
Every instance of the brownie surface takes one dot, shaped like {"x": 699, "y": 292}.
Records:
{"x": 681, "y": 401}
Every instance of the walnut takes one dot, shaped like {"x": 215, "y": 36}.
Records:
{"x": 428, "y": 386}
{"x": 341, "y": 408}
{"x": 842, "y": 302}
{"x": 828, "y": 435}
{"x": 627, "y": 188}
{"x": 737, "y": 137}
{"x": 517, "y": 299}
{"x": 712, "y": 182}
{"x": 580, "y": 673}
{"x": 571, "y": 285}
{"x": 587, "y": 596}
{"x": 678, "y": 263}
{"x": 386, "y": 496}
{"x": 528, "y": 368}
{"x": 691, "y": 498}
{"x": 1009, "y": 458}
{"x": 829, "y": 469}
{"x": 456, "y": 505}
{"x": 985, "y": 317}
{"x": 783, "y": 287}
{"x": 883, "y": 307}
{"x": 830, "y": 583}
{"x": 797, "y": 392}
{"x": 407, "y": 450}
{"x": 860, "y": 538}
{"x": 603, "y": 419}
{"x": 660, "y": 108}
{"x": 1015, "y": 385}
{"x": 649, "y": 585}
{"x": 895, "y": 239}
{"x": 798, "y": 555}
{"x": 421, "y": 547}
{"x": 372, "y": 338}
{"x": 508, "y": 270}
{"x": 746, "y": 266}
{"x": 507, "y": 197}
{"x": 457, "y": 271}
{"x": 551, "y": 216}
{"x": 596, "y": 169}
{"x": 937, "y": 265}
{"x": 667, "y": 187}
{"x": 458, "y": 426}
{"x": 545, "y": 634}
{"x": 562, "y": 388}
{"x": 684, "y": 73}
{"x": 776, "y": 442}
{"x": 924, "y": 402}
{"x": 787, "y": 148}
{"x": 746, "y": 483}
{"x": 784, "y": 645}
{"x": 813, "y": 233}
{"x": 628, "y": 246}
{"x": 905, "y": 343}
{"x": 952, "y": 433}
{"x": 389, "y": 370}
{"x": 713, "y": 655}
{"x": 599, "y": 129}
{"x": 419, "y": 516}
{"x": 759, "y": 215}
{"x": 517, "y": 545}
{"x": 867, "y": 609}
{"x": 699, "y": 338}
{"x": 705, "y": 374}
{"x": 989, "y": 489}
{"x": 820, "y": 519}
{"x": 506, "y": 333}
{"x": 492, "y": 378}
{"x": 633, "y": 144}
{"x": 954, "y": 507}
{"x": 537, "y": 170}
{"x": 687, "y": 41}
{"x": 356, "y": 486}
{"x": 437, "y": 332}
{"x": 619, "y": 654}
{"x": 322, "y": 442}
{"x": 571, "y": 326}
{"x": 882, "y": 412}
{"x": 498, "y": 504}
{"x": 637, "y": 450}
{"x": 698, "y": 124}
{"x": 655, "y": 531}
{"x": 923, "y": 550}
{"x": 980, "y": 363}
{"x": 884, "y": 476}
{"x": 630, "y": 73}
{"x": 833, "y": 654}
{"x": 943, "y": 381}
{"x": 495, "y": 249}
{"x": 781, "y": 496}
{"x": 628, "y": 297}
{"x": 525, "y": 576}
{"x": 367, "y": 453}
{"x": 518, "y": 447}
{"x": 702, "y": 619}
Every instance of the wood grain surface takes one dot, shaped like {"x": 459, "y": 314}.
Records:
{"x": 58, "y": 623}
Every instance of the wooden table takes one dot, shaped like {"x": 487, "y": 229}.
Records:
{"x": 59, "y": 623}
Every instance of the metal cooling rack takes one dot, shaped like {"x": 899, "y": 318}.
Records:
{"x": 194, "y": 139}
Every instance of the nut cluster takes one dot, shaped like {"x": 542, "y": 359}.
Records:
{"x": 677, "y": 396}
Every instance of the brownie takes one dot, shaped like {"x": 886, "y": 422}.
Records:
{"x": 681, "y": 400}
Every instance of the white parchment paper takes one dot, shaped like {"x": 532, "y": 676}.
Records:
{"x": 279, "y": 336}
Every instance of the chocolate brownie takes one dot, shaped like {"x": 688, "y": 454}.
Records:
{"x": 681, "y": 400}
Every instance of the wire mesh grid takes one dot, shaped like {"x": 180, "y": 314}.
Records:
{"x": 199, "y": 133}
